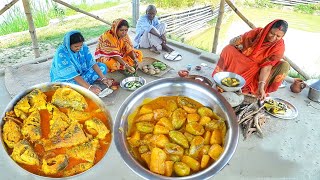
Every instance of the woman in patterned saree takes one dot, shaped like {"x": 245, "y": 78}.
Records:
{"x": 73, "y": 63}
{"x": 256, "y": 56}
{"x": 116, "y": 50}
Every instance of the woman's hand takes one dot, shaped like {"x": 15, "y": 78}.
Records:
{"x": 261, "y": 92}
{"x": 95, "y": 89}
{"x": 107, "y": 81}
{"x": 130, "y": 68}
{"x": 163, "y": 38}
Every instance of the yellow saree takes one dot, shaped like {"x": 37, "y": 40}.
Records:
{"x": 109, "y": 46}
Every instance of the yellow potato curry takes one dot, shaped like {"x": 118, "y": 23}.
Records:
{"x": 175, "y": 136}
{"x": 56, "y": 134}
{"x": 230, "y": 82}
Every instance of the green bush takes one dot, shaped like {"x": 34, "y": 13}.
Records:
{"x": 259, "y": 3}
{"x": 307, "y": 8}
{"x": 180, "y": 3}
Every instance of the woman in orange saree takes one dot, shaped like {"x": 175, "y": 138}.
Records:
{"x": 256, "y": 56}
{"x": 116, "y": 50}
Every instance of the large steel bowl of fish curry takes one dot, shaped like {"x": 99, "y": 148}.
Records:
{"x": 176, "y": 128}
{"x": 56, "y": 130}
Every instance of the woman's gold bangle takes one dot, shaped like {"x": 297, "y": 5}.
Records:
{"x": 262, "y": 82}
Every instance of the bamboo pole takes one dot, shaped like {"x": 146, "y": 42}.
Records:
{"x": 7, "y": 6}
{"x": 217, "y": 28}
{"x": 251, "y": 25}
{"x": 81, "y": 11}
{"x": 32, "y": 29}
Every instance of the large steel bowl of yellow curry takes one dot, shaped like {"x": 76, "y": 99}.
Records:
{"x": 176, "y": 128}
{"x": 56, "y": 130}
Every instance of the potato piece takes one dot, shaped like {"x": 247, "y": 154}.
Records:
{"x": 171, "y": 105}
{"x": 204, "y": 161}
{"x": 145, "y": 127}
{"x": 204, "y": 111}
{"x": 205, "y": 150}
{"x": 181, "y": 169}
{"x": 188, "y": 136}
{"x": 216, "y": 137}
{"x": 159, "y": 140}
{"x": 175, "y": 149}
{"x": 196, "y": 146}
{"x": 157, "y": 161}
{"x": 204, "y": 120}
{"x": 160, "y": 113}
{"x": 166, "y": 123}
{"x": 174, "y": 158}
{"x": 207, "y": 136}
{"x": 134, "y": 139}
{"x": 145, "y": 109}
{"x": 192, "y": 163}
{"x": 195, "y": 128}
{"x": 179, "y": 116}
{"x": 179, "y": 138}
{"x": 160, "y": 130}
{"x": 143, "y": 149}
{"x": 189, "y": 109}
{"x": 193, "y": 117}
{"x": 212, "y": 125}
{"x": 145, "y": 117}
{"x": 169, "y": 168}
{"x": 215, "y": 151}
{"x": 146, "y": 157}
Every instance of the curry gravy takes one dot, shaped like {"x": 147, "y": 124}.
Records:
{"x": 45, "y": 129}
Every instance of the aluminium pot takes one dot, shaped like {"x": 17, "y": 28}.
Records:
{"x": 45, "y": 87}
{"x": 176, "y": 87}
{"x": 314, "y": 91}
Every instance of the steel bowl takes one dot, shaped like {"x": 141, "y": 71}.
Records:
{"x": 44, "y": 87}
{"x": 132, "y": 79}
{"x": 221, "y": 75}
{"x": 176, "y": 87}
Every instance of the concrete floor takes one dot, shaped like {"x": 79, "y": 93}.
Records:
{"x": 289, "y": 149}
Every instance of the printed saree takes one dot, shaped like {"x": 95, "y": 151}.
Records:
{"x": 110, "y": 45}
{"x": 255, "y": 54}
{"x": 67, "y": 64}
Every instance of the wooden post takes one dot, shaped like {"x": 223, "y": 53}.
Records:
{"x": 81, "y": 11}
{"x": 7, "y": 6}
{"x": 217, "y": 28}
{"x": 135, "y": 12}
{"x": 32, "y": 29}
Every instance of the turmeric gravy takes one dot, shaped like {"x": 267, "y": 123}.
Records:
{"x": 39, "y": 147}
{"x": 175, "y": 135}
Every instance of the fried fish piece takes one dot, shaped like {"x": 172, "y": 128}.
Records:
{"x": 77, "y": 169}
{"x": 37, "y": 100}
{"x": 31, "y": 126}
{"x": 55, "y": 164}
{"x": 85, "y": 151}
{"x": 79, "y": 116}
{"x": 96, "y": 126}
{"x": 11, "y": 133}
{"x": 24, "y": 153}
{"x": 58, "y": 121}
{"x": 72, "y": 136}
{"x": 69, "y": 98}
{"x": 21, "y": 109}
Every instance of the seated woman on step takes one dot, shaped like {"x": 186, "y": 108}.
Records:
{"x": 256, "y": 56}
{"x": 116, "y": 50}
{"x": 73, "y": 63}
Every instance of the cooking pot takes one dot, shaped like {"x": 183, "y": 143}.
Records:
{"x": 176, "y": 87}
{"x": 314, "y": 91}
{"x": 45, "y": 87}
